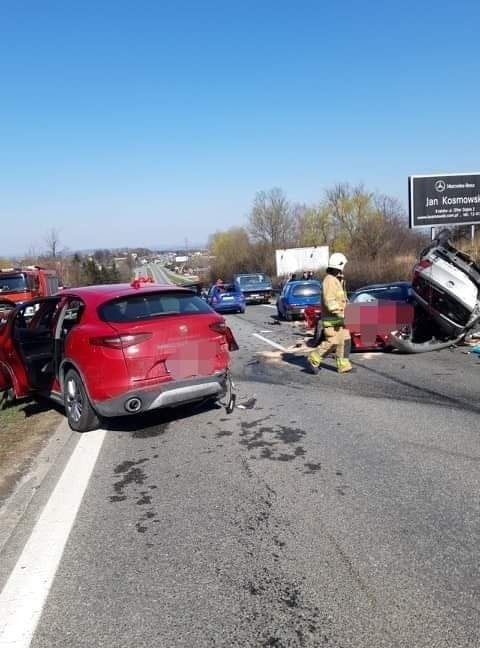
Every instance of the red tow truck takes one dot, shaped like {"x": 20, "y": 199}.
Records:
{"x": 19, "y": 285}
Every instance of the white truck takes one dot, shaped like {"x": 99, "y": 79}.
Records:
{"x": 299, "y": 260}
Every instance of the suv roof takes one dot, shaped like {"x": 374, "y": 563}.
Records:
{"x": 95, "y": 295}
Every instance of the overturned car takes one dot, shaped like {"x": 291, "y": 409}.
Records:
{"x": 446, "y": 293}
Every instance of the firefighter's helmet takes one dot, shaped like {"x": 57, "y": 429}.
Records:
{"x": 337, "y": 261}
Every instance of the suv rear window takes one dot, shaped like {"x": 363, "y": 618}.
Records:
{"x": 248, "y": 280}
{"x": 227, "y": 288}
{"x": 146, "y": 306}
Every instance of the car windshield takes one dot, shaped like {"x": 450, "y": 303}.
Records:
{"x": 248, "y": 280}
{"x": 13, "y": 283}
{"x": 227, "y": 288}
{"x": 139, "y": 307}
{"x": 306, "y": 290}
{"x": 390, "y": 293}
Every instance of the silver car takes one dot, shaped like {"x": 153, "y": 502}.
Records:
{"x": 446, "y": 291}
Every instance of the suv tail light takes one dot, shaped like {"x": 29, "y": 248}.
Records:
{"x": 232, "y": 343}
{"x": 120, "y": 341}
{"x": 424, "y": 263}
{"x": 219, "y": 327}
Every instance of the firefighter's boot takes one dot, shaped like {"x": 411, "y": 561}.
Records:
{"x": 314, "y": 360}
{"x": 343, "y": 365}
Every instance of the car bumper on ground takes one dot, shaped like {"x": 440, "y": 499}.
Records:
{"x": 179, "y": 392}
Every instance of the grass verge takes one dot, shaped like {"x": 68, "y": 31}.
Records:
{"x": 180, "y": 280}
{"x": 25, "y": 427}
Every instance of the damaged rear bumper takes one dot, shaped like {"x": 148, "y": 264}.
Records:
{"x": 172, "y": 394}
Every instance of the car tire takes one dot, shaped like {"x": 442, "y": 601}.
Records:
{"x": 81, "y": 416}
{"x": 288, "y": 317}
{"x": 242, "y": 311}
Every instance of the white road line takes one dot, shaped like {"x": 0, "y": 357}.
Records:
{"x": 269, "y": 306}
{"x": 266, "y": 331}
{"x": 274, "y": 344}
{"x": 25, "y": 593}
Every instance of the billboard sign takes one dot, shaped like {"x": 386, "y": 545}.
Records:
{"x": 301, "y": 259}
{"x": 448, "y": 199}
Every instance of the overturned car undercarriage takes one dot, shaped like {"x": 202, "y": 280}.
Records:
{"x": 446, "y": 294}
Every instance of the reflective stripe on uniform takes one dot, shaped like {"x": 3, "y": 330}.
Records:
{"x": 332, "y": 321}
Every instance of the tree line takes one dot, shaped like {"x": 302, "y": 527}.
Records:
{"x": 370, "y": 228}
{"x": 77, "y": 268}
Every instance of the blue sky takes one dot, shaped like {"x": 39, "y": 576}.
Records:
{"x": 148, "y": 123}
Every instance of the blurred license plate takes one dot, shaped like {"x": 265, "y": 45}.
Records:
{"x": 228, "y": 298}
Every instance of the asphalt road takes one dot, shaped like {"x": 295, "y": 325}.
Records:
{"x": 159, "y": 273}
{"x": 329, "y": 510}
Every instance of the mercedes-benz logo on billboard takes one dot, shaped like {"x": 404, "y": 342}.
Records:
{"x": 440, "y": 185}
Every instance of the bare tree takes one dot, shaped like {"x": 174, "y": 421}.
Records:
{"x": 52, "y": 241}
{"x": 271, "y": 220}
{"x": 350, "y": 207}
{"x": 314, "y": 225}
{"x": 389, "y": 207}
{"x": 232, "y": 252}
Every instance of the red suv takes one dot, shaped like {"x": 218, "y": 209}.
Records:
{"x": 104, "y": 351}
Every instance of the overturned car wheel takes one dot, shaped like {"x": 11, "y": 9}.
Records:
{"x": 80, "y": 414}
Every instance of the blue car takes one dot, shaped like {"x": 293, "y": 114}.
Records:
{"x": 226, "y": 298}
{"x": 256, "y": 287}
{"x": 296, "y": 296}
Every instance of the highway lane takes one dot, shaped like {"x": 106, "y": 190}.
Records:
{"x": 159, "y": 273}
{"x": 326, "y": 510}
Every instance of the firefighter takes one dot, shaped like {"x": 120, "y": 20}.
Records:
{"x": 335, "y": 335}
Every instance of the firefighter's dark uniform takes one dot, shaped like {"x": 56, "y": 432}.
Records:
{"x": 335, "y": 335}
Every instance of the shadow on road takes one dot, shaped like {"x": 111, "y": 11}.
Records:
{"x": 301, "y": 361}
{"x": 158, "y": 419}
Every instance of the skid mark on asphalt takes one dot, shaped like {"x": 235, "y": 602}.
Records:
{"x": 272, "y": 441}
{"x": 132, "y": 483}
{"x": 439, "y": 399}
{"x": 312, "y": 468}
{"x": 276, "y": 610}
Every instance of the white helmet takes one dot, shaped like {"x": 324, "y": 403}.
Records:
{"x": 337, "y": 261}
